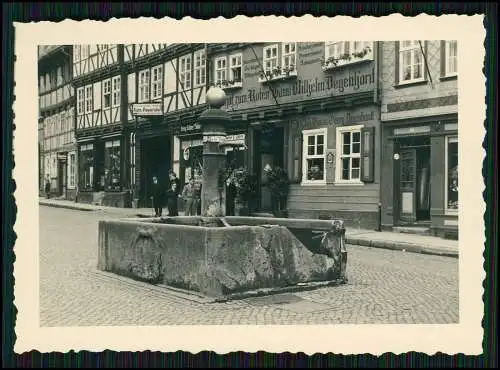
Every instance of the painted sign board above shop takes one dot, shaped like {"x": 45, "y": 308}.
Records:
{"x": 147, "y": 109}
{"x": 309, "y": 80}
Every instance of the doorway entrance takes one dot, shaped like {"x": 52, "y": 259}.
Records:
{"x": 155, "y": 161}
{"x": 268, "y": 149}
{"x": 61, "y": 177}
{"x": 412, "y": 185}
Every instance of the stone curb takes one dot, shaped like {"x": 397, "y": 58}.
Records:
{"x": 67, "y": 206}
{"x": 382, "y": 244}
{"x": 402, "y": 246}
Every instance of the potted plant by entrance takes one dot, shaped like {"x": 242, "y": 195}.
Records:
{"x": 245, "y": 185}
{"x": 278, "y": 184}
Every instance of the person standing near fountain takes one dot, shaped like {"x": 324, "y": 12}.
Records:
{"x": 173, "y": 194}
{"x": 157, "y": 197}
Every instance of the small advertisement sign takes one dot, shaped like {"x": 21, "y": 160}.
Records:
{"x": 147, "y": 109}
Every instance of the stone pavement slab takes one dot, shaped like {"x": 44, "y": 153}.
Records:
{"x": 368, "y": 238}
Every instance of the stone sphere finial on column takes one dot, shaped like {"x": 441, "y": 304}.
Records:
{"x": 216, "y": 97}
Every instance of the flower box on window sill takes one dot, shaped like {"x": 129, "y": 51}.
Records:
{"x": 229, "y": 85}
{"x": 347, "y": 59}
{"x": 278, "y": 75}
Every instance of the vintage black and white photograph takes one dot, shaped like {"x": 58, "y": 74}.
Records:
{"x": 250, "y": 183}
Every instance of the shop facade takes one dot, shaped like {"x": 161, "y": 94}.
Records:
{"x": 420, "y": 169}
{"x": 314, "y": 113}
{"x": 166, "y": 91}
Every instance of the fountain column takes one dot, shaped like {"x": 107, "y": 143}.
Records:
{"x": 213, "y": 123}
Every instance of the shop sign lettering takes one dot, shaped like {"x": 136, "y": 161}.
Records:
{"x": 334, "y": 119}
{"x": 235, "y": 139}
{"x": 190, "y": 128}
{"x": 330, "y": 85}
{"x": 213, "y": 139}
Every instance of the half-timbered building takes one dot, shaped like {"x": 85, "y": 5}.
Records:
{"x": 171, "y": 80}
{"x": 133, "y": 104}
{"x": 100, "y": 83}
{"x": 56, "y": 140}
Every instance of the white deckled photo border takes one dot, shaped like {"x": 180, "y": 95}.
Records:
{"x": 465, "y": 337}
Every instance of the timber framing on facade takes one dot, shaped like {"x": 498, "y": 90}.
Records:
{"x": 56, "y": 140}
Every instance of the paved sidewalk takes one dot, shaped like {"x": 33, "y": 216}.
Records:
{"x": 368, "y": 238}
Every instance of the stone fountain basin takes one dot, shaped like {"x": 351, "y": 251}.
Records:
{"x": 220, "y": 257}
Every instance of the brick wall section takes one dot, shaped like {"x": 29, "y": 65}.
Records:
{"x": 391, "y": 93}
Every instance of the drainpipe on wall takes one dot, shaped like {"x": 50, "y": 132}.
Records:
{"x": 379, "y": 228}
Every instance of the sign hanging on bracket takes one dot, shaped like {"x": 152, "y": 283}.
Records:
{"x": 186, "y": 154}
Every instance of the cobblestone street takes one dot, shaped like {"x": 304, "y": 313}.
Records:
{"x": 384, "y": 287}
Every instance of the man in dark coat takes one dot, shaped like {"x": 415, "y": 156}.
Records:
{"x": 173, "y": 193}
{"x": 158, "y": 193}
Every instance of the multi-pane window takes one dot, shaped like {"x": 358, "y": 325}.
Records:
{"x": 314, "y": 152}
{"x": 451, "y": 57}
{"x": 76, "y": 53}
{"x": 199, "y": 68}
{"x": 112, "y": 165}
{"x": 235, "y": 67}
{"x": 106, "y": 93}
{"x": 47, "y": 165}
{"x": 80, "y": 98}
{"x": 59, "y": 76}
{"x": 452, "y": 173}
{"x": 84, "y": 52}
{"x": 359, "y": 46}
{"x": 289, "y": 55}
{"x": 48, "y": 83}
{"x": 411, "y": 61}
{"x": 116, "y": 91}
{"x": 270, "y": 58}
{"x": 336, "y": 49}
{"x": 220, "y": 69}
{"x": 349, "y": 51}
{"x": 88, "y": 99}
{"x": 157, "y": 82}
{"x": 349, "y": 154}
{"x": 144, "y": 84}
{"x": 185, "y": 72}
{"x": 42, "y": 84}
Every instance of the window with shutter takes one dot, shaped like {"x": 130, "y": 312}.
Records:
{"x": 368, "y": 154}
